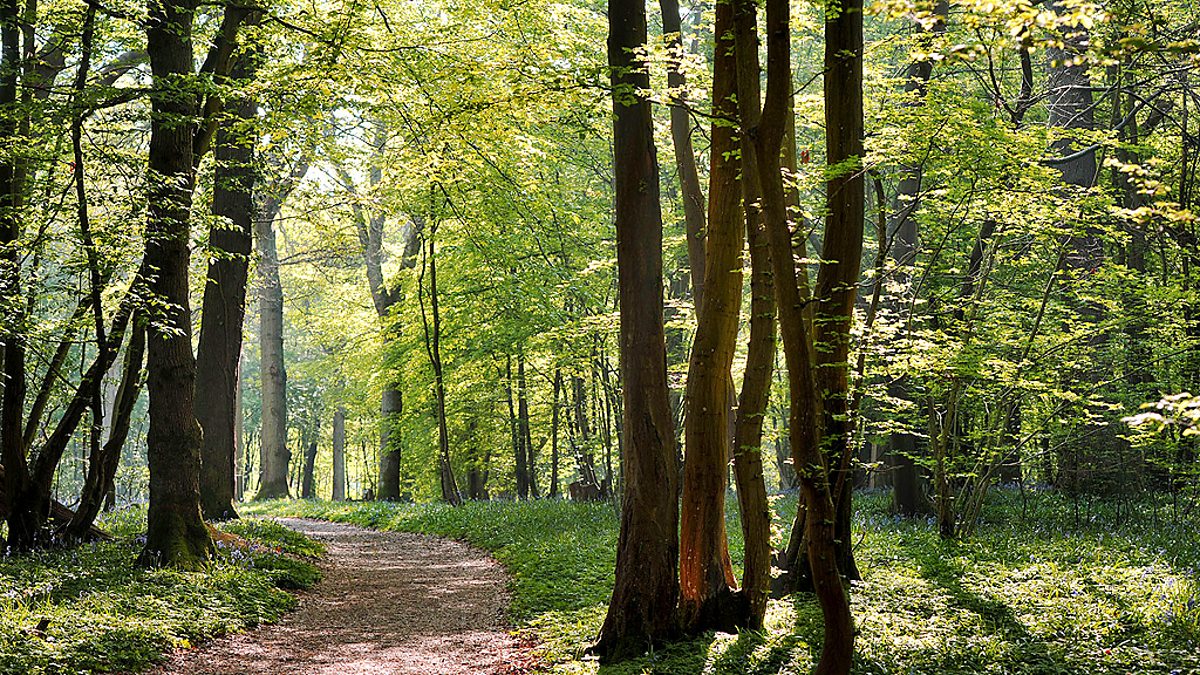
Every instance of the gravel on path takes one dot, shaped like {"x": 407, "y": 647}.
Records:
{"x": 389, "y": 602}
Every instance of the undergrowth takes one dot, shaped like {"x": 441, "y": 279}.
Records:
{"x": 90, "y": 609}
{"x": 1044, "y": 588}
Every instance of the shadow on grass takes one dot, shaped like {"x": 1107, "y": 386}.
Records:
{"x": 747, "y": 653}
{"x": 1031, "y": 654}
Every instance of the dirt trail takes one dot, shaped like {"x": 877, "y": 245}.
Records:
{"x": 389, "y": 602}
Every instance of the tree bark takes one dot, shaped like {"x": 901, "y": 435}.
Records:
{"x": 274, "y": 455}
{"x": 706, "y": 580}
{"x": 685, "y": 154}
{"x": 529, "y": 454}
{"x": 176, "y": 534}
{"x": 370, "y": 228}
{"x": 12, "y": 406}
{"x": 907, "y": 498}
{"x": 752, "y": 410}
{"x": 339, "y": 455}
{"x": 765, "y": 128}
{"x": 554, "y": 423}
{"x": 642, "y": 609}
{"x": 518, "y": 438}
{"x": 224, "y": 308}
{"x": 308, "y": 488}
{"x": 433, "y": 345}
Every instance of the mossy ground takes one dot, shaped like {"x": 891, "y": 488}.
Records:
{"x": 1045, "y": 587}
{"x": 91, "y": 609}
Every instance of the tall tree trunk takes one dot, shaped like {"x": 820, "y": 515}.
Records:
{"x": 765, "y": 128}
{"x": 12, "y": 407}
{"x": 433, "y": 345}
{"x": 370, "y": 228}
{"x": 518, "y": 438}
{"x": 274, "y": 455}
{"x": 240, "y": 455}
{"x": 642, "y": 609}
{"x": 685, "y": 155}
{"x": 224, "y": 308}
{"x": 176, "y": 534}
{"x": 752, "y": 410}
{"x": 339, "y": 455}
{"x": 308, "y": 488}
{"x": 523, "y": 426}
{"x": 706, "y": 578}
{"x": 554, "y": 422}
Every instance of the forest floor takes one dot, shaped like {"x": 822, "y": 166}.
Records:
{"x": 1049, "y": 585}
{"x": 388, "y": 602}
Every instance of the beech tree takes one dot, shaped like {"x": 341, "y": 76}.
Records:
{"x": 642, "y": 610}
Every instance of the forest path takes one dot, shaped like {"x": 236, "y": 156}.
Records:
{"x": 389, "y": 602}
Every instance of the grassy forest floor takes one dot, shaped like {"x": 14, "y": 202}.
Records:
{"x": 1048, "y": 585}
{"x": 90, "y": 609}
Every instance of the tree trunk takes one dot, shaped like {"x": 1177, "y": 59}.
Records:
{"x": 102, "y": 469}
{"x": 12, "y": 408}
{"x": 765, "y": 128}
{"x": 176, "y": 534}
{"x": 224, "y": 309}
{"x": 370, "y": 228}
{"x": 529, "y": 453}
{"x": 390, "y": 446}
{"x": 642, "y": 609}
{"x": 706, "y": 578}
{"x": 554, "y": 421}
{"x": 433, "y": 345}
{"x": 518, "y": 438}
{"x": 239, "y": 439}
{"x": 274, "y": 455}
{"x": 339, "y": 455}
{"x": 752, "y": 410}
{"x": 308, "y": 488}
{"x": 837, "y": 282}
{"x": 685, "y": 155}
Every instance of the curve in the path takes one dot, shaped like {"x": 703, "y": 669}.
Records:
{"x": 389, "y": 602}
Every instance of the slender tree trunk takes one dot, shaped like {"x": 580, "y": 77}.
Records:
{"x": 12, "y": 408}
{"x": 685, "y": 155}
{"x": 514, "y": 429}
{"x": 339, "y": 455}
{"x": 765, "y": 128}
{"x": 907, "y": 499}
{"x": 433, "y": 345}
{"x": 642, "y": 609}
{"x": 102, "y": 469}
{"x": 224, "y": 309}
{"x": 554, "y": 421}
{"x": 752, "y": 410}
{"x": 308, "y": 488}
{"x": 523, "y": 426}
{"x": 239, "y": 439}
{"x": 706, "y": 578}
{"x": 176, "y": 534}
{"x": 370, "y": 227}
{"x": 274, "y": 455}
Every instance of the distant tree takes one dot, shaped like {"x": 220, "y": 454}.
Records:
{"x": 224, "y": 305}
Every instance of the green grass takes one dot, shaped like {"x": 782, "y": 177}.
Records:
{"x": 1043, "y": 588}
{"x": 89, "y": 609}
